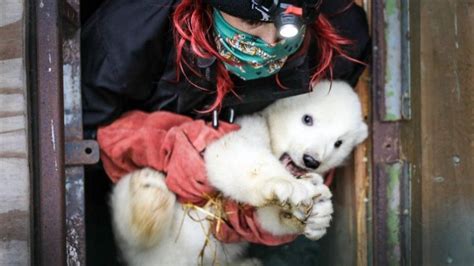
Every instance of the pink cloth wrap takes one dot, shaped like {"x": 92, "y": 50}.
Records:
{"x": 173, "y": 144}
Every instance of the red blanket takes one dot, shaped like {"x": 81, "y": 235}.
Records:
{"x": 173, "y": 144}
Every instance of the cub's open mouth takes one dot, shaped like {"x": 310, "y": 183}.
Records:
{"x": 290, "y": 165}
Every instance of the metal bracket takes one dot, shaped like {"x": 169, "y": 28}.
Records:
{"x": 81, "y": 152}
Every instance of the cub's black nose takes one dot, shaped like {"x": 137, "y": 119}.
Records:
{"x": 310, "y": 162}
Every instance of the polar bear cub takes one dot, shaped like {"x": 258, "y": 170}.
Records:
{"x": 278, "y": 156}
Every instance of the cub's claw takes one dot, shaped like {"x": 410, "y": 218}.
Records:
{"x": 320, "y": 215}
{"x": 295, "y": 192}
{"x": 314, "y": 178}
{"x": 316, "y": 216}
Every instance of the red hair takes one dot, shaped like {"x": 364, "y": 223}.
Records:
{"x": 193, "y": 31}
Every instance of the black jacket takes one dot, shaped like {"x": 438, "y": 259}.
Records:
{"x": 128, "y": 62}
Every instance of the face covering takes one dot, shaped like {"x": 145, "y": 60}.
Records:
{"x": 252, "y": 57}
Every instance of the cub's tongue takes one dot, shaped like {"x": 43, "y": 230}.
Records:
{"x": 295, "y": 170}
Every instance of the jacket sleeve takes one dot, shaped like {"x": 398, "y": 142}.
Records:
{"x": 164, "y": 141}
{"x": 125, "y": 45}
{"x": 350, "y": 21}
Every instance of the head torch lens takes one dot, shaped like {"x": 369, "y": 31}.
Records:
{"x": 288, "y": 30}
{"x": 288, "y": 25}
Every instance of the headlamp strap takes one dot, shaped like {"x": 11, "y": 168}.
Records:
{"x": 311, "y": 10}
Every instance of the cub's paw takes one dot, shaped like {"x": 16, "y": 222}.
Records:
{"x": 147, "y": 179}
{"x": 313, "y": 219}
{"x": 317, "y": 225}
{"x": 151, "y": 205}
{"x": 295, "y": 192}
{"x": 320, "y": 215}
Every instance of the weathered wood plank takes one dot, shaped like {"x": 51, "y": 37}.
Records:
{"x": 14, "y": 233}
{"x": 447, "y": 124}
{"x": 15, "y": 225}
{"x": 13, "y": 144}
{"x": 362, "y": 184}
{"x": 11, "y": 41}
{"x": 10, "y": 11}
{"x": 13, "y": 253}
{"x": 14, "y": 174}
{"x": 14, "y": 190}
{"x": 12, "y": 73}
{"x": 12, "y": 123}
{"x": 12, "y": 105}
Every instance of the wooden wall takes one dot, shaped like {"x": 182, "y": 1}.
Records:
{"x": 439, "y": 141}
{"x": 14, "y": 171}
{"x": 444, "y": 149}
{"x": 438, "y": 144}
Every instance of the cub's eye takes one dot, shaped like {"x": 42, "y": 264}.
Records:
{"x": 338, "y": 143}
{"x": 308, "y": 120}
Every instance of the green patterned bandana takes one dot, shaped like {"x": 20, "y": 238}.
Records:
{"x": 253, "y": 58}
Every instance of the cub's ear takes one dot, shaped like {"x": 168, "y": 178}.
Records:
{"x": 361, "y": 132}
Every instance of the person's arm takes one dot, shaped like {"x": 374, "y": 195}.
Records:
{"x": 124, "y": 47}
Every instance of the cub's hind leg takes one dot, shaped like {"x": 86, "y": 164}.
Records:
{"x": 142, "y": 209}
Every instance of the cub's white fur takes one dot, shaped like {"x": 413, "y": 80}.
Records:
{"x": 151, "y": 228}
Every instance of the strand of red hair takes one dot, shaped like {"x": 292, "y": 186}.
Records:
{"x": 193, "y": 31}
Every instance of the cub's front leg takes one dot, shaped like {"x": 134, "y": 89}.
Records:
{"x": 142, "y": 209}
{"x": 248, "y": 172}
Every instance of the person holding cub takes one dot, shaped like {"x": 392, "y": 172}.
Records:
{"x": 151, "y": 82}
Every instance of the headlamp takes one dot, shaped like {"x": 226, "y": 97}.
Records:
{"x": 288, "y": 30}
{"x": 288, "y": 15}
{"x": 288, "y": 20}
